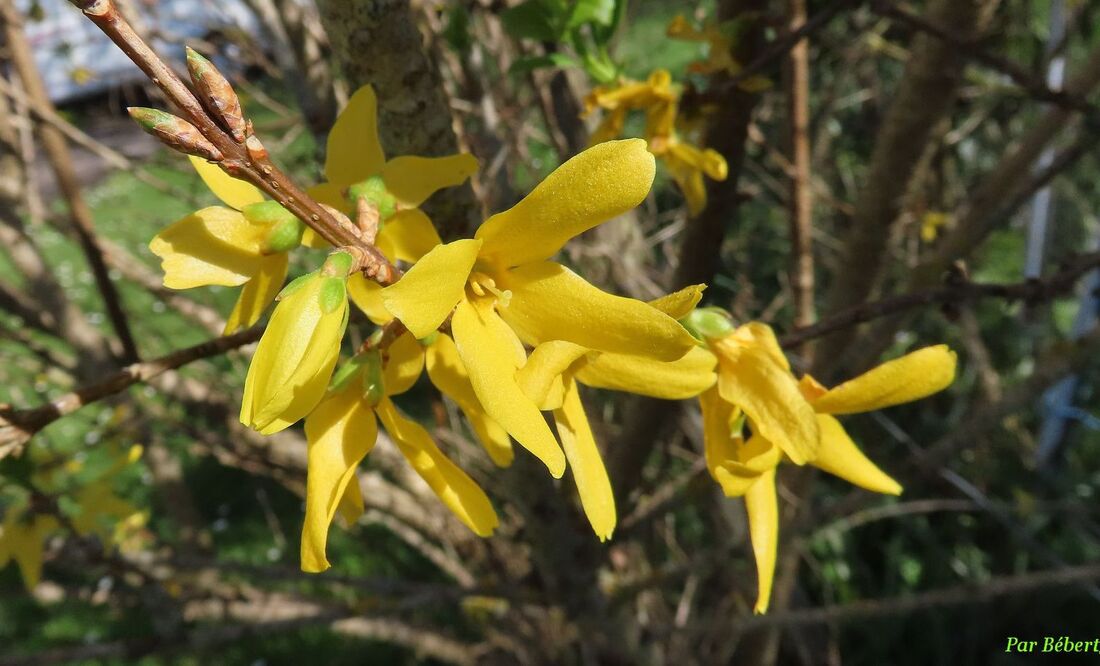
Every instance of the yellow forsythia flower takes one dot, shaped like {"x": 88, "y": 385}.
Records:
{"x": 721, "y": 39}
{"x": 555, "y": 368}
{"x": 342, "y": 430}
{"x": 299, "y": 349}
{"x": 686, "y": 162}
{"x": 793, "y": 420}
{"x": 22, "y": 538}
{"x": 503, "y": 291}
{"x": 355, "y": 161}
{"x": 245, "y": 244}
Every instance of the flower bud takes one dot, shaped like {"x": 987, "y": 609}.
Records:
{"x": 708, "y": 323}
{"x": 374, "y": 387}
{"x": 216, "y": 94}
{"x": 294, "y": 361}
{"x": 176, "y": 133}
{"x": 374, "y": 191}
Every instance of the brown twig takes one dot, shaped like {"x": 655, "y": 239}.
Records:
{"x": 17, "y": 426}
{"x": 801, "y": 192}
{"x": 1028, "y": 291}
{"x": 57, "y": 152}
{"x": 247, "y": 160}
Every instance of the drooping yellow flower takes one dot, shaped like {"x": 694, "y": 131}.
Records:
{"x": 686, "y": 162}
{"x": 342, "y": 430}
{"x": 555, "y": 368}
{"x": 395, "y": 187}
{"x": 793, "y": 420}
{"x": 299, "y": 349}
{"x": 931, "y": 224}
{"x": 720, "y": 39}
{"x": 504, "y": 292}
{"x": 22, "y": 538}
{"x": 244, "y": 244}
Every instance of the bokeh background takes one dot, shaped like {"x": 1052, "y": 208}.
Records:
{"x": 994, "y": 180}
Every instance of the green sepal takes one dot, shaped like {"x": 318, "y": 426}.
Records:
{"x": 334, "y": 294}
{"x": 347, "y": 373}
{"x": 374, "y": 388}
{"x": 374, "y": 191}
{"x": 338, "y": 265}
{"x": 267, "y": 212}
{"x": 429, "y": 340}
{"x": 708, "y": 323}
{"x": 284, "y": 237}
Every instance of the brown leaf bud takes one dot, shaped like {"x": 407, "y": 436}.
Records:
{"x": 174, "y": 132}
{"x": 216, "y": 93}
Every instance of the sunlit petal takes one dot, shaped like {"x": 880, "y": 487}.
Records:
{"x": 428, "y": 292}
{"x": 354, "y": 152}
{"x": 911, "y": 377}
{"x": 233, "y": 192}
{"x": 449, "y": 375}
{"x": 367, "y": 296}
{"x": 540, "y": 377}
{"x": 683, "y": 378}
{"x": 585, "y": 461}
{"x": 486, "y": 351}
{"x": 679, "y": 304}
{"x": 341, "y": 431}
{"x": 403, "y": 367}
{"x": 720, "y": 445}
{"x": 410, "y": 234}
{"x": 769, "y": 395}
{"x": 840, "y": 456}
{"x": 600, "y": 183}
{"x": 457, "y": 490}
{"x": 212, "y": 246}
{"x": 550, "y": 302}
{"x": 258, "y": 293}
{"x": 763, "y": 510}
{"x": 413, "y": 179}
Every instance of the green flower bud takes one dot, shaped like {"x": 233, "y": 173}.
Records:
{"x": 708, "y": 323}
{"x": 429, "y": 340}
{"x": 374, "y": 191}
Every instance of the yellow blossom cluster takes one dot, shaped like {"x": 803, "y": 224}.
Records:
{"x": 93, "y": 510}
{"x": 508, "y": 334}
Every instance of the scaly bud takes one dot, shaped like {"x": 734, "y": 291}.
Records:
{"x": 374, "y": 191}
{"x": 176, "y": 133}
{"x": 216, "y": 93}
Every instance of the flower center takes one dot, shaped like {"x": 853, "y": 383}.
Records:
{"x": 483, "y": 285}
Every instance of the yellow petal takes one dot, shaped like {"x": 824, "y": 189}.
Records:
{"x": 551, "y": 302}
{"x": 449, "y": 375}
{"x": 212, "y": 246}
{"x": 428, "y": 292}
{"x": 672, "y": 380}
{"x": 540, "y": 377}
{"x": 761, "y": 336}
{"x": 367, "y": 296}
{"x": 679, "y": 304}
{"x": 768, "y": 394}
{"x": 258, "y": 293}
{"x": 600, "y": 183}
{"x": 411, "y": 180}
{"x": 341, "y": 431}
{"x": 354, "y": 153}
{"x": 233, "y": 192}
{"x": 486, "y": 350}
{"x": 691, "y": 184}
{"x": 411, "y": 235}
{"x": 840, "y": 456}
{"x": 589, "y": 472}
{"x": 294, "y": 360}
{"x": 24, "y": 545}
{"x": 911, "y": 377}
{"x": 351, "y": 504}
{"x": 720, "y": 445}
{"x": 406, "y": 360}
{"x": 457, "y": 490}
{"x": 763, "y": 510}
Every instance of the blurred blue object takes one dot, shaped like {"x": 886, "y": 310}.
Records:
{"x": 77, "y": 60}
